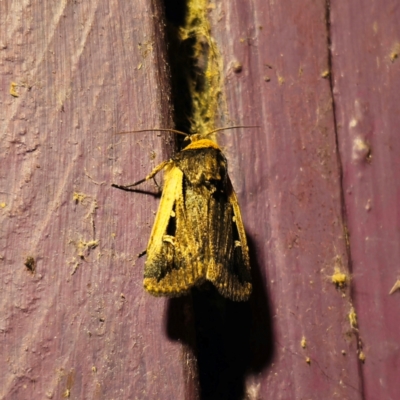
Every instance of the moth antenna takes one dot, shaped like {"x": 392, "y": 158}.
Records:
{"x": 154, "y": 130}
{"x": 231, "y": 127}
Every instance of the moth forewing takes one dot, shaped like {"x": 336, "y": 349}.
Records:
{"x": 229, "y": 270}
{"x": 232, "y": 198}
{"x": 160, "y": 279}
{"x": 172, "y": 186}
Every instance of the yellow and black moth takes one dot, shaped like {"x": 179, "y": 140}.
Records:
{"x": 198, "y": 233}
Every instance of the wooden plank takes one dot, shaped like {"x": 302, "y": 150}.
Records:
{"x": 287, "y": 175}
{"x": 81, "y": 325}
{"x": 81, "y": 322}
{"x": 366, "y": 72}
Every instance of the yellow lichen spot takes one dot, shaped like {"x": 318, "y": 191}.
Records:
{"x": 308, "y": 360}
{"x": 361, "y": 356}
{"x": 325, "y": 74}
{"x": 85, "y": 246}
{"x": 206, "y": 98}
{"x": 361, "y": 150}
{"x": 353, "y": 318}
{"x": 92, "y": 244}
{"x": 303, "y": 342}
{"x": 94, "y": 369}
{"x": 237, "y": 67}
{"x": 13, "y": 89}
{"x": 339, "y": 278}
{"x": 30, "y": 264}
{"x": 300, "y": 73}
{"x": 281, "y": 80}
{"x": 67, "y": 393}
{"x": 3, "y": 205}
{"x": 353, "y": 123}
{"x": 394, "y": 54}
{"x": 78, "y": 197}
{"x": 395, "y": 287}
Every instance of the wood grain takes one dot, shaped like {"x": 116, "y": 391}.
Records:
{"x": 287, "y": 177}
{"x": 320, "y": 81}
{"x": 82, "y": 322}
{"x": 365, "y": 48}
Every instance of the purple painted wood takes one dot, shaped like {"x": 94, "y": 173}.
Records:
{"x": 366, "y": 66}
{"x": 81, "y": 325}
{"x": 287, "y": 176}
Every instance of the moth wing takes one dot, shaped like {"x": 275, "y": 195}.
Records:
{"x": 230, "y": 268}
{"x": 168, "y": 271}
{"x": 232, "y": 199}
{"x": 172, "y": 187}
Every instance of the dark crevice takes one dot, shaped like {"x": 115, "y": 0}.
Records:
{"x": 225, "y": 341}
{"x": 178, "y": 54}
{"x": 339, "y": 159}
{"x": 176, "y": 11}
{"x": 342, "y": 191}
{"x": 188, "y": 55}
{"x": 161, "y": 67}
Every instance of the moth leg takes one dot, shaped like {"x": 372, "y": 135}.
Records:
{"x": 142, "y": 253}
{"x": 152, "y": 174}
{"x": 158, "y": 186}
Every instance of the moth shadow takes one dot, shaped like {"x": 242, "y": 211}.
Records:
{"x": 231, "y": 340}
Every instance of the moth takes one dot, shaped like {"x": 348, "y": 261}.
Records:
{"x": 198, "y": 233}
